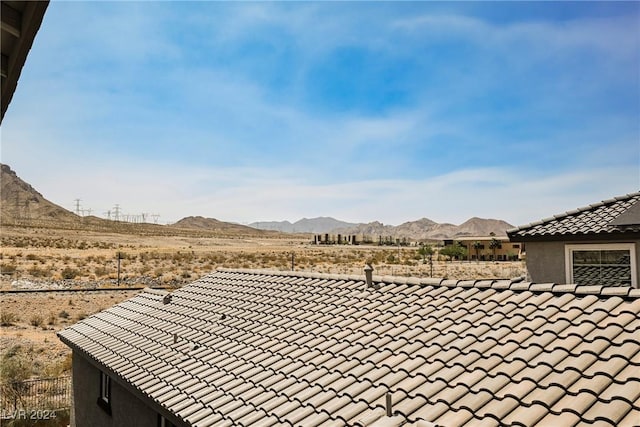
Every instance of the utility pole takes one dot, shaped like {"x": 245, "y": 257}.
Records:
{"x": 119, "y": 258}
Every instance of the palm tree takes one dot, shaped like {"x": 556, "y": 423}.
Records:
{"x": 476, "y": 246}
{"x": 495, "y": 244}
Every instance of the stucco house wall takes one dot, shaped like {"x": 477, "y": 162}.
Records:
{"x": 546, "y": 260}
{"x": 126, "y": 409}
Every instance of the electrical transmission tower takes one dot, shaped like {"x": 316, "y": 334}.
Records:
{"x": 116, "y": 213}
{"x": 78, "y": 210}
{"x": 17, "y": 204}
{"x": 27, "y": 211}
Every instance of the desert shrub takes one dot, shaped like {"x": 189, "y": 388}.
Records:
{"x": 58, "y": 368}
{"x": 15, "y": 367}
{"x": 8, "y": 318}
{"x": 69, "y": 273}
{"x": 101, "y": 271}
{"x": 8, "y": 268}
{"x": 36, "y": 320}
{"x": 52, "y": 320}
{"x": 39, "y": 272}
{"x": 63, "y": 314}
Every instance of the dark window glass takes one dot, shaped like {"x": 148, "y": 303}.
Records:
{"x": 602, "y": 267}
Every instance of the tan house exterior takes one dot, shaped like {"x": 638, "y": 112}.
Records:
{"x": 595, "y": 245}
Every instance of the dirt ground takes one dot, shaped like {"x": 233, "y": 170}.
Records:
{"x": 28, "y": 341}
{"x": 32, "y": 258}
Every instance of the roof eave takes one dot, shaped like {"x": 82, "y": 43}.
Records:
{"x": 149, "y": 401}
{"x": 600, "y": 237}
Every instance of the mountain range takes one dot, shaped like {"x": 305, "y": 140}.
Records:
{"x": 20, "y": 201}
{"x": 305, "y": 225}
{"x": 422, "y": 229}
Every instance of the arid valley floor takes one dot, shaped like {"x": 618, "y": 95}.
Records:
{"x": 36, "y": 258}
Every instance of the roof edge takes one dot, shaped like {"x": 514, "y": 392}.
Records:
{"x": 572, "y": 212}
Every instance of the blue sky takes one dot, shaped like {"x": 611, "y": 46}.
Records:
{"x": 363, "y": 111}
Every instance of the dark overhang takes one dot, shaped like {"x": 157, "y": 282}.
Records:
{"x": 596, "y": 237}
{"x": 20, "y": 21}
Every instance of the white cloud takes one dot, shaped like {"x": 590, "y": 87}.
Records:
{"x": 253, "y": 194}
{"x": 273, "y": 158}
{"x": 617, "y": 36}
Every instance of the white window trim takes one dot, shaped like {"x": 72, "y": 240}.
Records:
{"x": 105, "y": 387}
{"x": 569, "y": 249}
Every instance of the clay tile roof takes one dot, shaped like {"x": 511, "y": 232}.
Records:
{"x": 260, "y": 347}
{"x": 619, "y": 216}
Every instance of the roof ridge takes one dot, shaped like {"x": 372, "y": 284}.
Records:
{"x": 574, "y": 211}
{"x": 517, "y": 284}
{"x": 159, "y": 292}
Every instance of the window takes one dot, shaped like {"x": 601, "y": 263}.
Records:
{"x": 611, "y": 264}
{"x": 104, "y": 399}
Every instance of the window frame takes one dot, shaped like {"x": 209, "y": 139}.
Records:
{"x": 569, "y": 249}
{"x": 104, "y": 394}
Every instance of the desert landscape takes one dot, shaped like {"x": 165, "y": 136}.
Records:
{"x": 57, "y": 268}
{"x": 34, "y": 259}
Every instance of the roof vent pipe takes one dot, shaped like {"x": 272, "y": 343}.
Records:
{"x": 166, "y": 299}
{"x": 368, "y": 275}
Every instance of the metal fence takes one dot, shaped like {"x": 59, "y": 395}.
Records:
{"x": 40, "y": 394}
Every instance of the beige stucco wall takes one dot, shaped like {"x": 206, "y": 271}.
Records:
{"x": 546, "y": 260}
{"x": 126, "y": 409}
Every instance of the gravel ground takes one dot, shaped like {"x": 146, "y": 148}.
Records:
{"x": 36, "y": 319}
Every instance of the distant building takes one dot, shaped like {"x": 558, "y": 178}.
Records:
{"x": 253, "y": 347}
{"x": 594, "y": 245}
{"x": 340, "y": 239}
{"x": 482, "y": 248}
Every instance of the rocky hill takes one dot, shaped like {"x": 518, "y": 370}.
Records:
{"x": 20, "y": 201}
{"x": 305, "y": 225}
{"x": 23, "y": 205}
{"x": 212, "y": 224}
{"x": 426, "y": 229}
